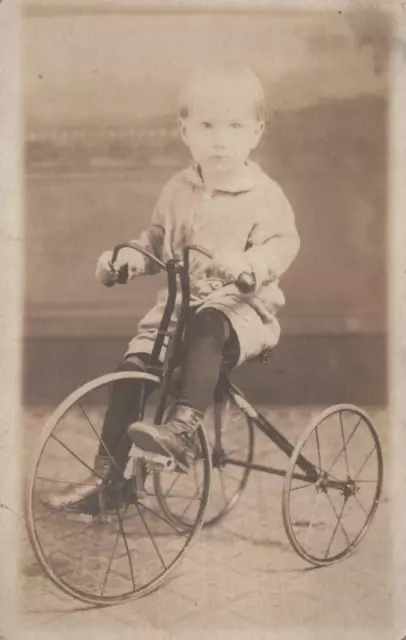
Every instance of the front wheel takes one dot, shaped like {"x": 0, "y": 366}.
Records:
{"x": 124, "y": 546}
{"x": 327, "y": 512}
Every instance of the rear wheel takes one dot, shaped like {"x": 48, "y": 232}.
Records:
{"x": 231, "y": 439}
{"x": 327, "y": 514}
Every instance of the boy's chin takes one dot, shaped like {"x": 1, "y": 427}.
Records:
{"x": 221, "y": 165}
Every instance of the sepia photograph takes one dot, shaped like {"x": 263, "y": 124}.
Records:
{"x": 206, "y": 431}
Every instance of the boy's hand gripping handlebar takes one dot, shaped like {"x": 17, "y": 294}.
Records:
{"x": 245, "y": 281}
{"x": 120, "y": 275}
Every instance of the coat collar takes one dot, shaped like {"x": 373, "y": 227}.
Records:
{"x": 250, "y": 177}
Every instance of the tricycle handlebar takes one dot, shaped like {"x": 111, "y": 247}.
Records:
{"x": 245, "y": 282}
{"x": 140, "y": 249}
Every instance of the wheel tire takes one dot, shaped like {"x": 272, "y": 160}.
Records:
{"x": 99, "y": 530}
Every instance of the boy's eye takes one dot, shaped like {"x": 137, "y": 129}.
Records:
{"x": 236, "y": 125}
{"x": 207, "y": 125}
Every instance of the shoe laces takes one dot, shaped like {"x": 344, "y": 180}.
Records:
{"x": 189, "y": 440}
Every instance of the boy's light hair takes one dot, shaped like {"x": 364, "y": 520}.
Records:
{"x": 223, "y": 80}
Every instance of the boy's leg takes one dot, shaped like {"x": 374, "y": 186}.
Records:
{"x": 210, "y": 346}
{"x": 209, "y": 336}
{"x": 123, "y": 408}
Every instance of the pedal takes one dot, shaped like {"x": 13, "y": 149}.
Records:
{"x": 153, "y": 462}
{"x": 160, "y": 463}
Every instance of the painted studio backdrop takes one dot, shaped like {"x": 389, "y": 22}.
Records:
{"x": 101, "y": 87}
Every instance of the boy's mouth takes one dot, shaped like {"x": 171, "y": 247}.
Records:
{"x": 220, "y": 156}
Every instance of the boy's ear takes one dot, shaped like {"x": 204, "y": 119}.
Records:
{"x": 183, "y": 130}
{"x": 259, "y": 130}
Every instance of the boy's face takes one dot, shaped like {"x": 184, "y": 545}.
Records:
{"x": 221, "y": 131}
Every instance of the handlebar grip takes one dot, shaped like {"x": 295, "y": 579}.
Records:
{"x": 121, "y": 276}
{"x": 246, "y": 282}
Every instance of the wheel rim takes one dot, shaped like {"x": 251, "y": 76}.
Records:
{"x": 228, "y": 481}
{"x": 127, "y": 550}
{"x": 327, "y": 516}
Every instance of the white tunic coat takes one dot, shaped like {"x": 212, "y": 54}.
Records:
{"x": 251, "y": 215}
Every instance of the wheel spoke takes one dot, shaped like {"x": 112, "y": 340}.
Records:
{"x": 184, "y": 512}
{"x": 68, "y": 538}
{"x": 312, "y": 520}
{"x": 172, "y": 485}
{"x": 69, "y": 450}
{"x": 234, "y": 451}
{"x": 322, "y": 471}
{"x": 302, "y": 486}
{"x": 345, "y": 444}
{"x": 53, "y": 512}
{"x": 176, "y": 496}
{"x": 340, "y": 417}
{"x": 361, "y": 506}
{"x": 338, "y": 523}
{"x": 228, "y": 472}
{"x": 318, "y": 446}
{"x": 75, "y": 561}
{"x": 223, "y": 487}
{"x": 123, "y": 535}
{"x": 194, "y": 497}
{"x": 110, "y": 562}
{"x": 157, "y": 515}
{"x": 364, "y": 463}
{"x": 101, "y": 442}
{"x": 49, "y": 514}
{"x": 338, "y": 517}
{"x": 151, "y": 536}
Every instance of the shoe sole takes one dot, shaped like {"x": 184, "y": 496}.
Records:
{"x": 88, "y": 506}
{"x": 74, "y": 507}
{"x": 150, "y": 445}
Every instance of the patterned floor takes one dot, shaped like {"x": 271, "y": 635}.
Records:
{"x": 240, "y": 575}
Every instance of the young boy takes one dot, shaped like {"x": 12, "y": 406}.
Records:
{"x": 226, "y": 204}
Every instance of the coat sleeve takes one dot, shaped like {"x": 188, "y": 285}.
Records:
{"x": 152, "y": 238}
{"x": 274, "y": 241}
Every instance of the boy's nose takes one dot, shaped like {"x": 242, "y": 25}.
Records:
{"x": 220, "y": 141}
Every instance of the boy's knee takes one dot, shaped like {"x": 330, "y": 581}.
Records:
{"x": 132, "y": 363}
{"x": 123, "y": 389}
{"x": 212, "y": 322}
